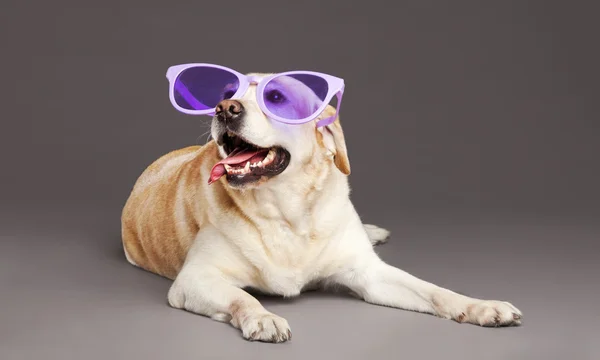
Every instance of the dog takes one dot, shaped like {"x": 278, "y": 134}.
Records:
{"x": 280, "y": 222}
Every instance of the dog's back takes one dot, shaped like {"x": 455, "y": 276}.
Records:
{"x": 156, "y": 225}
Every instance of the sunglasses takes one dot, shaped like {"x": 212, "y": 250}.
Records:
{"x": 293, "y": 97}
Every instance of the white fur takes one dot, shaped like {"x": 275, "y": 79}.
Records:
{"x": 376, "y": 234}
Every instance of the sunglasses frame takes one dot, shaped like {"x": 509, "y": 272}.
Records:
{"x": 335, "y": 87}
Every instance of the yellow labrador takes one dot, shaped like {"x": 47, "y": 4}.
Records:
{"x": 280, "y": 221}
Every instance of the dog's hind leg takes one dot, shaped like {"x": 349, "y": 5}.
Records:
{"x": 376, "y": 234}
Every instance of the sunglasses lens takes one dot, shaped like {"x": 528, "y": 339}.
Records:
{"x": 203, "y": 87}
{"x": 295, "y": 96}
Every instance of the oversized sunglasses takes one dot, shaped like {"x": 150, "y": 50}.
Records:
{"x": 293, "y": 97}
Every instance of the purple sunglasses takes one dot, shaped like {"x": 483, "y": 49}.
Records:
{"x": 293, "y": 97}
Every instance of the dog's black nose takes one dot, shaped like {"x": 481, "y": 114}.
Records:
{"x": 228, "y": 110}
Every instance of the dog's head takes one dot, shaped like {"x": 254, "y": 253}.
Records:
{"x": 254, "y": 148}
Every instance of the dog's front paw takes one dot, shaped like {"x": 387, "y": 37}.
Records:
{"x": 266, "y": 327}
{"x": 491, "y": 313}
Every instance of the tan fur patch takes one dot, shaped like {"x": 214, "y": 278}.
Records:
{"x": 239, "y": 312}
{"x": 156, "y": 198}
{"x": 340, "y": 158}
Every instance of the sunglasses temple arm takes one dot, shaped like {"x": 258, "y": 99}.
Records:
{"x": 189, "y": 98}
{"x": 331, "y": 119}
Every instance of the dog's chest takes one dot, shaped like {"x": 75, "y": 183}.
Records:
{"x": 292, "y": 258}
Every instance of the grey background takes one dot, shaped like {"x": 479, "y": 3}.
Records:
{"x": 473, "y": 135}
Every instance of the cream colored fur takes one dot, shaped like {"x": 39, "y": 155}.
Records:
{"x": 293, "y": 232}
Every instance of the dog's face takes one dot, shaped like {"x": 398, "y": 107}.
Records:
{"x": 255, "y": 148}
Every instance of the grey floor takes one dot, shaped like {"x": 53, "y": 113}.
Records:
{"x": 66, "y": 292}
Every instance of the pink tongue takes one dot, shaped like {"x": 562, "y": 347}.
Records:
{"x": 238, "y": 158}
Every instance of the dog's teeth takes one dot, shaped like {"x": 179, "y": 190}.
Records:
{"x": 228, "y": 168}
{"x": 269, "y": 158}
{"x": 247, "y": 167}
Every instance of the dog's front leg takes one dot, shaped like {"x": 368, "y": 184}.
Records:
{"x": 382, "y": 284}
{"x": 205, "y": 291}
{"x": 209, "y": 295}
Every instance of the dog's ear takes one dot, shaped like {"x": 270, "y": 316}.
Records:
{"x": 334, "y": 142}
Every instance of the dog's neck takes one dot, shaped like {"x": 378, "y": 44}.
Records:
{"x": 305, "y": 204}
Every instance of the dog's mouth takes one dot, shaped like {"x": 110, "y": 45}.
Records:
{"x": 246, "y": 162}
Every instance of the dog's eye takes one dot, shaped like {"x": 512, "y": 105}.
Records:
{"x": 274, "y": 96}
{"x": 228, "y": 94}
